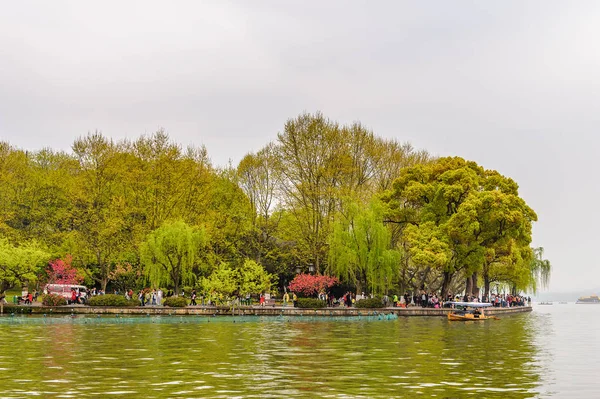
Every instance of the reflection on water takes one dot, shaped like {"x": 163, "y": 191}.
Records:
{"x": 275, "y": 357}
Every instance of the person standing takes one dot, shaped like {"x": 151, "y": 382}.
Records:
{"x": 286, "y": 298}
{"x": 193, "y": 297}
{"x": 294, "y": 299}
{"x": 159, "y": 297}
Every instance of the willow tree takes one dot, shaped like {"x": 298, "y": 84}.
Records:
{"x": 170, "y": 252}
{"x": 360, "y": 249}
{"x": 540, "y": 270}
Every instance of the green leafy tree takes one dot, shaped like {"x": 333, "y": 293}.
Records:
{"x": 253, "y": 278}
{"x": 222, "y": 282}
{"x": 169, "y": 254}
{"x": 453, "y": 211}
{"x": 359, "y": 249}
{"x": 20, "y": 264}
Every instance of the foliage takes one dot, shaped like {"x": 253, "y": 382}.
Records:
{"x": 53, "y": 300}
{"x": 540, "y": 270}
{"x": 310, "y": 303}
{"x": 369, "y": 303}
{"x": 310, "y": 285}
{"x": 20, "y": 264}
{"x": 125, "y": 276}
{"x": 309, "y": 197}
{"x": 169, "y": 253}
{"x": 175, "y": 302}
{"x": 456, "y": 219}
{"x": 110, "y": 300}
{"x": 359, "y": 248}
{"x": 222, "y": 281}
{"x": 252, "y": 278}
{"x": 62, "y": 272}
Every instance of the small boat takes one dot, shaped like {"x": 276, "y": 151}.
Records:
{"x": 546, "y": 303}
{"x": 563, "y": 303}
{"x": 470, "y": 311}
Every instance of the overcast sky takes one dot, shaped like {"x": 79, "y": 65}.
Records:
{"x": 513, "y": 85}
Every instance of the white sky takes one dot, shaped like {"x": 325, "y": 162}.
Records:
{"x": 512, "y": 85}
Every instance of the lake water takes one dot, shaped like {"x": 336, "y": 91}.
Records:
{"x": 552, "y": 352}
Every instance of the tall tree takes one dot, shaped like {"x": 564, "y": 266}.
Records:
{"x": 454, "y": 209}
{"x": 98, "y": 211}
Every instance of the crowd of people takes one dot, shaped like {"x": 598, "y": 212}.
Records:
{"x": 424, "y": 299}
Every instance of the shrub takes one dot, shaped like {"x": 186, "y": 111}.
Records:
{"x": 133, "y": 302}
{"x": 175, "y": 302}
{"x": 310, "y": 303}
{"x": 371, "y": 303}
{"x": 53, "y": 300}
{"x": 108, "y": 300}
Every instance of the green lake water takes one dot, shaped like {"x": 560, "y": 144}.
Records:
{"x": 540, "y": 354}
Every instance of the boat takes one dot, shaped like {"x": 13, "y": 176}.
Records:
{"x": 592, "y": 299}
{"x": 563, "y": 303}
{"x": 469, "y": 311}
{"x": 546, "y": 303}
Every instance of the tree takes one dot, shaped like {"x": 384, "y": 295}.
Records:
{"x": 21, "y": 264}
{"x": 170, "y": 252}
{"x": 540, "y": 270}
{"x": 252, "y": 278}
{"x": 221, "y": 282}
{"x": 452, "y": 211}
{"x": 61, "y": 271}
{"x": 98, "y": 206}
{"x": 125, "y": 276}
{"x": 359, "y": 249}
{"x": 310, "y": 285}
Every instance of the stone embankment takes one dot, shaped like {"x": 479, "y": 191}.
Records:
{"x": 244, "y": 310}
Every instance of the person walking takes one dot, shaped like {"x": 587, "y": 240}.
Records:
{"x": 193, "y": 297}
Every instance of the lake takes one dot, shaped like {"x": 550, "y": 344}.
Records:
{"x": 551, "y": 352}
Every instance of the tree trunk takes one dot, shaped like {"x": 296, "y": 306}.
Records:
{"x": 176, "y": 284}
{"x": 486, "y": 285}
{"x": 469, "y": 286}
{"x": 104, "y": 283}
{"x": 446, "y": 284}
{"x": 475, "y": 288}
{"x": 358, "y": 287}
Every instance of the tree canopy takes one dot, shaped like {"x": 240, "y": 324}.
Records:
{"x": 334, "y": 199}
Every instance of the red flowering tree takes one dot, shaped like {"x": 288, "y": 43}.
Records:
{"x": 310, "y": 285}
{"x": 62, "y": 272}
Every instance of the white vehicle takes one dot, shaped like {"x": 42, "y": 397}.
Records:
{"x": 66, "y": 291}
